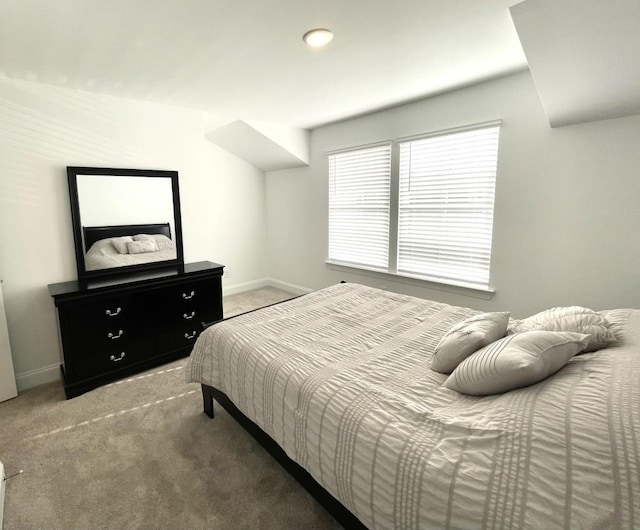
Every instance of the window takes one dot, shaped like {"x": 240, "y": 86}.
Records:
{"x": 359, "y": 191}
{"x": 445, "y": 212}
{"x": 439, "y": 224}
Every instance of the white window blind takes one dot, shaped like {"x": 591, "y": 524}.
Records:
{"x": 445, "y": 211}
{"x": 359, "y": 195}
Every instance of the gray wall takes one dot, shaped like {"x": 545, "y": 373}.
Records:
{"x": 567, "y": 212}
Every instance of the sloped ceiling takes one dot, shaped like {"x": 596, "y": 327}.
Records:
{"x": 266, "y": 146}
{"x": 245, "y": 60}
{"x": 583, "y": 56}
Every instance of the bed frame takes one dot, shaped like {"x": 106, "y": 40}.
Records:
{"x": 91, "y": 234}
{"x": 326, "y": 500}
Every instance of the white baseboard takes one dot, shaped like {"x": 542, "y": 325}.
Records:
{"x": 264, "y": 282}
{"x": 36, "y": 377}
{"x": 245, "y": 286}
{"x": 2, "y": 492}
{"x": 289, "y": 287}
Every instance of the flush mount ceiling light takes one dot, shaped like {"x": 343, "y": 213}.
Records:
{"x": 317, "y": 37}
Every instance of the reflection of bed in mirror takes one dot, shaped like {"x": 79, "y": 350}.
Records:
{"x": 124, "y": 245}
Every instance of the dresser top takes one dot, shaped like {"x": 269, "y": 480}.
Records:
{"x": 169, "y": 274}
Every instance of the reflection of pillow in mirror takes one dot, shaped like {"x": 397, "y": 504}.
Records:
{"x": 140, "y": 247}
{"x": 120, "y": 243}
{"x": 107, "y": 250}
{"x": 144, "y": 237}
{"x": 103, "y": 247}
{"x": 515, "y": 361}
{"x": 163, "y": 242}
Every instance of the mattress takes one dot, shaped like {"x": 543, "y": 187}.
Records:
{"x": 341, "y": 380}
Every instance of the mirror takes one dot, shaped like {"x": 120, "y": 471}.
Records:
{"x": 124, "y": 220}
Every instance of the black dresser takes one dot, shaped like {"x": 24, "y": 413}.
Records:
{"x": 113, "y": 328}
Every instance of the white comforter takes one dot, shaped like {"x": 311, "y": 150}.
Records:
{"x": 340, "y": 378}
{"x": 103, "y": 255}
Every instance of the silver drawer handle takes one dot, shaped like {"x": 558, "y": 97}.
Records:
{"x": 189, "y": 317}
{"x": 116, "y": 359}
{"x": 190, "y": 336}
{"x": 113, "y": 313}
{"x": 114, "y": 337}
{"x": 188, "y": 296}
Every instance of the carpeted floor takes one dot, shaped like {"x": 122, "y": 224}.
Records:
{"x": 140, "y": 453}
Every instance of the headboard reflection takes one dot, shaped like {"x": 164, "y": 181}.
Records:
{"x": 91, "y": 234}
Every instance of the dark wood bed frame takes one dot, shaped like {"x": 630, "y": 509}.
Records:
{"x": 326, "y": 500}
{"x": 91, "y": 234}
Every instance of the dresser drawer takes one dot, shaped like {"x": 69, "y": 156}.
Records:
{"x": 89, "y": 361}
{"x": 104, "y": 314}
{"x": 179, "y": 336}
{"x": 192, "y": 295}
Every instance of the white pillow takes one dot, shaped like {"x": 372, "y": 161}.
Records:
{"x": 574, "y": 318}
{"x": 467, "y": 337}
{"x": 139, "y": 247}
{"x": 618, "y": 320}
{"x": 163, "y": 242}
{"x": 515, "y": 361}
{"x": 144, "y": 237}
{"x": 120, "y": 243}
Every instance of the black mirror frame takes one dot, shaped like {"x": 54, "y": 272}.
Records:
{"x": 83, "y": 274}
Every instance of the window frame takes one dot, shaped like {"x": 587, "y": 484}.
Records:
{"x": 391, "y": 272}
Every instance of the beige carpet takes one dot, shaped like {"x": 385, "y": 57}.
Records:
{"x": 140, "y": 453}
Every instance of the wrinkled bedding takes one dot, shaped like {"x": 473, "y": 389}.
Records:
{"x": 341, "y": 379}
{"x": 103, "y": 255}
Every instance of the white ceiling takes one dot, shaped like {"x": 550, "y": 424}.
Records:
{"x": 245, "y": 59}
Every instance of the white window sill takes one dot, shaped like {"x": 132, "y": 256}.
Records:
{"x": 461, "y": 289}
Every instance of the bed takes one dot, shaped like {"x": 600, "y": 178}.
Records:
{"x": 338, "y": 385}
{"x": 107, "y": 245}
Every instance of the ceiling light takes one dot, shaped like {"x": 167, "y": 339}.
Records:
{"x": 317, "y": 37}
